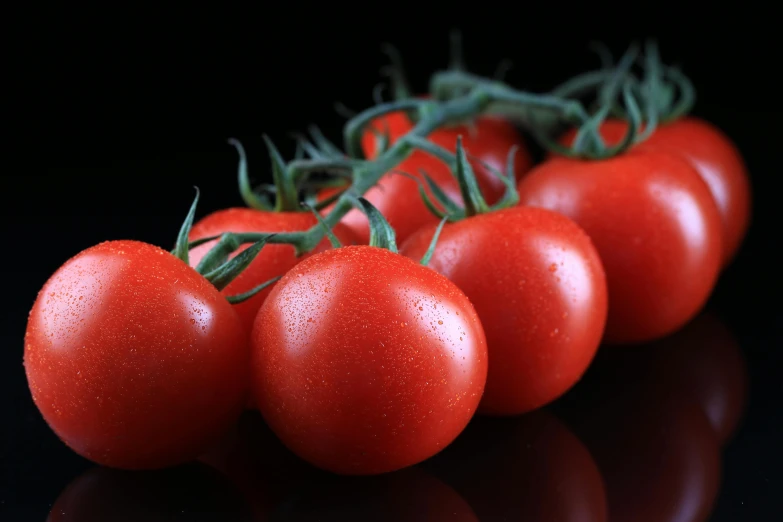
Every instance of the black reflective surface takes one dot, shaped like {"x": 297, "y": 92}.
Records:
{"x": 119, "y": 124}
{"x": 643, "y": 437}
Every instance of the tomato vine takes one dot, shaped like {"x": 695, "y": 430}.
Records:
{"x": 457, "y": 96}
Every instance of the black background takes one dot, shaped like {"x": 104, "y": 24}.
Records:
{"x": 116, "y": 116}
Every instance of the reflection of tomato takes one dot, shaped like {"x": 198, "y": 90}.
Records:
{"x": 704, "y": 362}
{"x": 410, "y": 495}
{"x": 272, "y": 261}
{"x": 529, "y": 468}
{"x": 715, "y": 158}
{"x": 258, "y": 464}
{"x": 659, "y": 455}
{"x": 540, "y": 292}
{"x": 656, "y": 228}
{"x": 190, "y": 492}
{"x": 397, "y": 197}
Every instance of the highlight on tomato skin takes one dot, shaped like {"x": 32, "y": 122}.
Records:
{"x": 409, "y": 495}
{"x": 397, "y": 196}
{"x": 187, "y": 492}
{"x": 530, "y": 467}
{"x": 656, "y": 228}
{"x": 539, "y": 288}
{"x": 272, "y": 261}
{"x": 715, "y": 158}
{"x": 366, "y": 362}
{"x": 133, "y": 358}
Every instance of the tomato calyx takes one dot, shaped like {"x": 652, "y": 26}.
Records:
{"x": 474, "y": 201}
{"x": 216, "y": 267}
{"x": 292, "y": 181}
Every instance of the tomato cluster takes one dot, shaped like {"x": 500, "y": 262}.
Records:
{"x": 364, "y": 358}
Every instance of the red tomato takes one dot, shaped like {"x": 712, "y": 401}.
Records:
{"x": 529, "y": 468}
{"x": 715, "y": 158}
{"x": 539, "y": 288}
{"x": 397, "y": 197}
{"x": 366, "y": 362}
{"x": 104, "y": 494}
{"x": 133, "y": 358}
{"x": 272, "y": 261}
{"x": 656, "y": 228}
{"x": 659, "y": 456}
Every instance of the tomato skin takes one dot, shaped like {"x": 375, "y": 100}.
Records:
{"x": 656, "y": 228}
{"x": 539, "y": 288}
{"x": 530, "y": 467}
{"x": 366, "y": 362}
{"x": 397, "y": 197}
{"x": 133, "y": 358}
{"x": 272, "y": 261}
{"x": 715, "y": 158}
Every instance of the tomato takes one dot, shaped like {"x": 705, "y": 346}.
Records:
{"x": 659, "y": 456}
{"x": 105, "y": 494}
{"x": 409, "y": 495}
{"x": 133, "y": 358}
{"x": 366, "y": 362}
{"x": 397, "y": 196}
{"x": 272, "y": 261}
{"x": 539, "y": 288}
{"x": 714, "y": 157}
{"x": 656, "y": 228}
{"x": 528, "y": 468}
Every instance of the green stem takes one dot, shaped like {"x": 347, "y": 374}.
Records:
{"x": 355, "y": 126}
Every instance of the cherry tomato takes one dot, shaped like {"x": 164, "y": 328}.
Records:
{"x": 528, "y": 468}
{"x": 659, "y": 456}
{"x": 272, "y": 261}
{"x": 397, "y": 196}
{"x": 409, "y": 495}
{"x": 539, "y": 288}
{"x": 715, "y": 158}
{"x": 365, "y": 361}
{"x": 655, "y": 225}
{"x": 133, "y": 358}
{"x": 183, "y": 493}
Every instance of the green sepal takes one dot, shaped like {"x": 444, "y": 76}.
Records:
{"x": 222, "y": 276}
{"x": 249, "y": 196}
{"x": 287, "y": 194}
{"x": 181, "y": 247}
{"x": 425, "y": 259}
{"x": 244, "y": 296}
{"x": 328, "y": 148}
{"x": 328, "y": 231}
{"x": 471, "y": 194}
{"x": 395, "y": 71}
{"x": 381, "y": 233}
{"x": 218, "y": 254}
